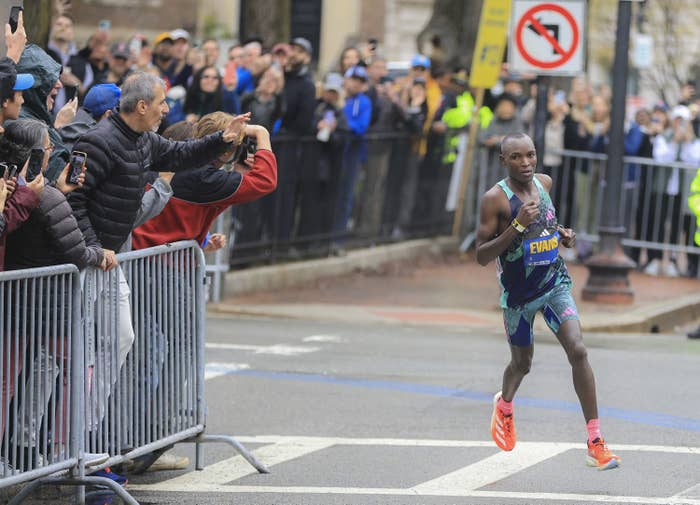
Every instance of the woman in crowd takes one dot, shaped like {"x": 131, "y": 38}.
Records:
{"x": 205, "y": 95}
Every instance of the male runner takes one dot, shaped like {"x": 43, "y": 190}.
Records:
{"x": 519, "y": 230}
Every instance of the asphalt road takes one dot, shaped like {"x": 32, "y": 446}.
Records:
{"x": 358, "y": 414}
{"x": 347, "y": 413}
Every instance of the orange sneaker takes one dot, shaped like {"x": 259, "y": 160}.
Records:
{"x": 600, "y": 456}
{"x": 502, "y": 427}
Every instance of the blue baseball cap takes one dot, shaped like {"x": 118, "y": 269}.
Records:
{"x": 356, "y": 72}
{"x": 420, "y": 61}
{"x": 24, "y": 81}
{"x": 101, "y": 98}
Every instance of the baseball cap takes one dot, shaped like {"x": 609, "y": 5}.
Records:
{"x": 280, "y": 48}
{"x": 303, "y": 43}
{"x": 101, "y": 98}
{"x": 120, "y": 50}
{"x": 162, "y": 37}
{"x": 333, "y": 82}
{"x": 10, "y": 80}
{"x": 420, "y": 61}
{"x": 680, "y": 111}
{"x": 356, "y": 72}
{"x": 180, "y": 34}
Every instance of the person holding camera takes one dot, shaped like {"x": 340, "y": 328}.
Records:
{"x": 202, "y": 194}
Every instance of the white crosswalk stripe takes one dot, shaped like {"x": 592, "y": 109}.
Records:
{"x": 463, "y": 483}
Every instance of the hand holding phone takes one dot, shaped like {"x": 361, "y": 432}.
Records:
{"x": 34, "y": 164}
{"x": 77, "y": 165}
{"x": 14, "y": 17}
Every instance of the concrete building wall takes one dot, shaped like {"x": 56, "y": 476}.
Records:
{"x": 339, "y": 20}
{"x": 404, "y": 20}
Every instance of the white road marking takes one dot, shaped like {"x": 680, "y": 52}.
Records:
{"x": 212, "y": 370}
{"x": 275, "y": 350}
{"x": 322, "y": 338}
{"x": 463, "y": 483}
{"x": 691, "y": 492}
{"x": 218, "y": 474}
{"x": 489, "y": 470}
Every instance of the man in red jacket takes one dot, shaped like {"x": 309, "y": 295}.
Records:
{"x": 200, "y": 195}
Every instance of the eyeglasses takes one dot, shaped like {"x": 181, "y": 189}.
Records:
{"x": 50, "y": 148}
{"x": 206, "y": 76}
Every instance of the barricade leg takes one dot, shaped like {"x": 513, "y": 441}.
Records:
{"x": 225, "y": 439}
{"x": 84, "y": 481}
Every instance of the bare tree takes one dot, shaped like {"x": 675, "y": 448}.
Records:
{"x": 269, "y": 19}
{"x": 673, "y": 25}
{"x": 455, "y": 23}
{"x": 37, "y": 19}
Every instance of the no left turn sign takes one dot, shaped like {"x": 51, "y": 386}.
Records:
{"x": 548, "y": 38}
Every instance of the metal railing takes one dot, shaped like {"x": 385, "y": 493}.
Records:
{"x": 324, "y": 199}
{"x": 134, "y": 369}
{"x": 39, "y": 333}
{"x": 653, "y": 204}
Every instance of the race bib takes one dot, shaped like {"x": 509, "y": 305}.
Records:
{"x": 541, "y": 250}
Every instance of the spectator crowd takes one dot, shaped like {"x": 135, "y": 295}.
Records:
{"x": 134, "y": 143}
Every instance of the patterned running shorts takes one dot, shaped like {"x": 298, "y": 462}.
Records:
{"x": 556, "y": 306}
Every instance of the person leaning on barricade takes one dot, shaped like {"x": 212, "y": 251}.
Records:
{"x": 50, "y": 236}
{"x": 201, "y": 195}
{"x": 121, "y": 150}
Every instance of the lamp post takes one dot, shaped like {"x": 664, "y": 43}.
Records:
{"x": 608, "y": 280}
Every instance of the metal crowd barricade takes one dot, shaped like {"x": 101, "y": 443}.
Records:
{"x": 41, "y": 382}
{"x": 144, "y": 397}
{"x": 136, "y": 368}
{"x": 653, "y": 204}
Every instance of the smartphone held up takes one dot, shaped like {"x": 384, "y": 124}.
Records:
{"x": 77, "y": 165}
{"x": 14, "y": 17}
{"x": 35, "y": 164}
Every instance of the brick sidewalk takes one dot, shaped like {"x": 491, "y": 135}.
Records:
{"x": 448, "y": 282}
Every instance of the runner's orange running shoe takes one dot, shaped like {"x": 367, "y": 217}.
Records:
{"x": 502, "y": 427}
{"x": 600, "y": 456}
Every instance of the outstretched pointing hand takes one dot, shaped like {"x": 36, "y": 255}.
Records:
{"x": 235, "y": 130}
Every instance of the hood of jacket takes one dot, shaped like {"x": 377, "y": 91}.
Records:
{"x": 46, "y": 72}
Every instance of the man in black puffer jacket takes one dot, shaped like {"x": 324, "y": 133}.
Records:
{"x": 122, "y": 149}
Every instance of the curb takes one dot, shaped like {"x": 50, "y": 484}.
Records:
{"x": 304, "y": 272}
{"x": 656, "y": 318}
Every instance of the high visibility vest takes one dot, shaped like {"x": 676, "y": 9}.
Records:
{"x": 459, "y": 117}
{"x": 694, "y": 202}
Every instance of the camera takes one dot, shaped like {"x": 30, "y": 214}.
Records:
{"x": 247, "y": 147}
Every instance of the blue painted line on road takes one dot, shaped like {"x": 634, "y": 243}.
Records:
{"x": 649, "y": 418}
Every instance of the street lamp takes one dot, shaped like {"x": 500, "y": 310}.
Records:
{"x": 608, "y": 280}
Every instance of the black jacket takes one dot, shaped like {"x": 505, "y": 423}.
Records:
{"x": 50, "y": 237}
{"x": 300, "y": 100}
{"x": 118, "y": 162}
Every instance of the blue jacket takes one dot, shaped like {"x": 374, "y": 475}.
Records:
{"x": 358, "y": 113}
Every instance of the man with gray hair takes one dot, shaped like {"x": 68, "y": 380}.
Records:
{"x": 121, "y": 150}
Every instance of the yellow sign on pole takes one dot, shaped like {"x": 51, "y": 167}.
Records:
{"x": 490, "y": 43}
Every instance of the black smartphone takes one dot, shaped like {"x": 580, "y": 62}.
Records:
{"x": 372, "y": 43}
{"x": 11, "y": 171}
{"x": 4, "y": 169}
{"x": 77, "y": 163}
{"x": 36, "y": 160}
{"x": 14, "y": 17}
